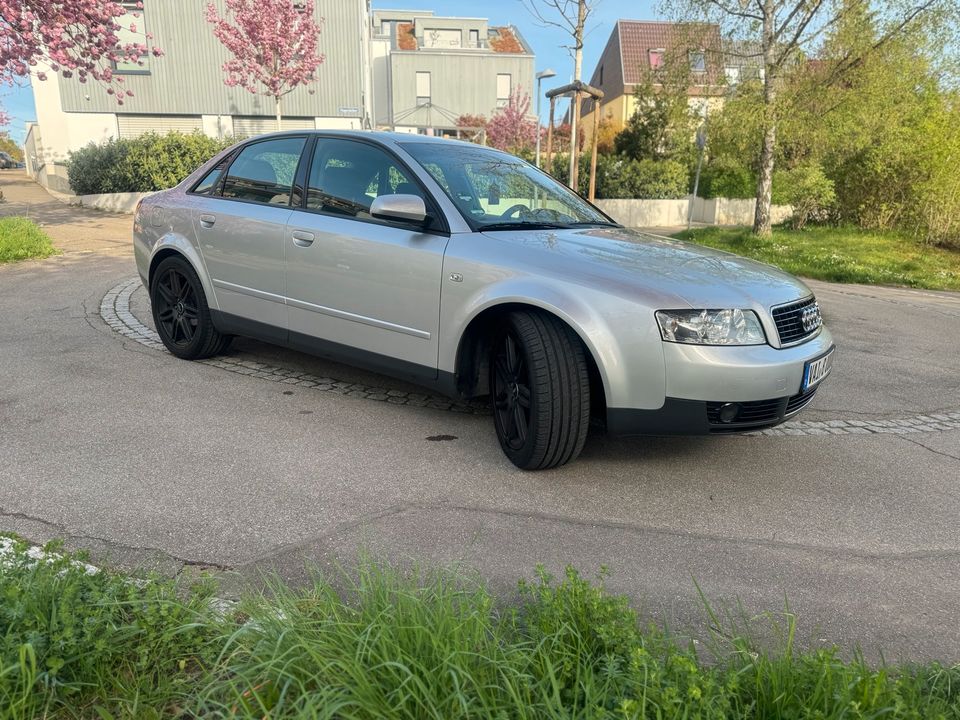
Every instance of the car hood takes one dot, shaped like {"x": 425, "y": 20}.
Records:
{"x": 665, "y": 272}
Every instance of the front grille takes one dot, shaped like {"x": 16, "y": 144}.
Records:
{"x": 800, "y": 401}
{"x": 788, "y": 320}
{"x": 757, "y": 411}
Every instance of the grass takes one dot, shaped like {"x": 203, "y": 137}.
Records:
{"x": 847, "y": 255}
{"x": 396, "y": 645}
{"x": 21, "y": 239}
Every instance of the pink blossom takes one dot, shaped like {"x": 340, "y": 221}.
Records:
{"x": 512, "y": 128}
{"x": 273, "y": 44}
{"x": 72, "y": 36}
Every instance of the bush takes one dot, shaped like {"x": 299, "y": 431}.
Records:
{"x": 142, "y": 164}
{"x": 620, "y": 177}
{"x": 808, "y": 189}
{"x": 726, "y": 178}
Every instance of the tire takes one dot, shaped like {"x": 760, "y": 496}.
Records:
{"x": 181, "y": 313}
{"x": 540, "y": 390}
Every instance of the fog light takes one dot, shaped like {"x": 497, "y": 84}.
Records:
{"x": 729, "y": 412}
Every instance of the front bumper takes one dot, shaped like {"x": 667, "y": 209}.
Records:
{"x": 725, "y": 389}
{"x": 697, "y": 417}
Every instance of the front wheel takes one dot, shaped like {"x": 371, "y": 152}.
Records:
{"x": 181, "y": 313}
{"x": 540, "y": 390}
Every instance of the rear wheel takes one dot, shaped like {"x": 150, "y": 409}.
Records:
{"x": 181, "y": 313}
{"x": 540, "y": 390}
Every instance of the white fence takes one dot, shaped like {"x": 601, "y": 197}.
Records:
{"x": 632, "y": 213}
{"x": 673, "y": 213}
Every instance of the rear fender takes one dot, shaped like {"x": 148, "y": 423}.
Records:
{"x": 172, "y": 242}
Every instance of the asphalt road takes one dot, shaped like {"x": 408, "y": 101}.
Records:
{"x": 153, "y": 462}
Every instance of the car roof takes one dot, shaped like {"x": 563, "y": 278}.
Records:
{"x": 379, "y": 135}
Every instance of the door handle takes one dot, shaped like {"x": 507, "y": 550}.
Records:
{"x": 208, "y": 220}
{"x": 302, "y": 238}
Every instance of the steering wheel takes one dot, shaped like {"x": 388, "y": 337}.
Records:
{"x": 519, "y": 209}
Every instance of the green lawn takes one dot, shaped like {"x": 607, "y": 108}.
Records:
{"x": 21, "y": 239}
{"x": 394, "y": 645}
{"x": 842, "y": 255}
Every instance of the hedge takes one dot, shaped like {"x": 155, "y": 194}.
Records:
{"x": 142, "y": 164}
{"x": 621, "y": 177}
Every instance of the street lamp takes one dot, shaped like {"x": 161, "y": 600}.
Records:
{"x": 542, "y": 75}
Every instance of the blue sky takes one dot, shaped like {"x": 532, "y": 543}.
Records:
{"x": 547, "y": 42}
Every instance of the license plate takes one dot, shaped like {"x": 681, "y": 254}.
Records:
{"x": 814, "y": 371}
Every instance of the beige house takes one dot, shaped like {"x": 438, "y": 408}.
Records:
{"x": 637, "y": 47}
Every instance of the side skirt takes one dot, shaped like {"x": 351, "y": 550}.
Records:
{"x": 428, "y": 377}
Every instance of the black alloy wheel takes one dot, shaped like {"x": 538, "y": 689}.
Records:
{"x": 511, "y": 392}
{"x": 540, "y": 389}
{"x": 180, "y": 311}
{"x": 176, "y": 303}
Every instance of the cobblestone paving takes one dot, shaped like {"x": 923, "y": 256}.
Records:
{"x": 115, "y": 311}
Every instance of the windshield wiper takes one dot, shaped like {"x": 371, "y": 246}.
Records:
{"x": 524, "y": 226}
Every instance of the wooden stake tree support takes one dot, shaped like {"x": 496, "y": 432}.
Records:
{"x": 578, "y": 91}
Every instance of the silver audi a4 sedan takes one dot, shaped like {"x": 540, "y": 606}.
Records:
{"x": 470, "y": 271}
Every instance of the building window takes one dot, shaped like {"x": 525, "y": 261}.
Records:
{"x": 504, "y": 87}
{"x": 475, "y": 38}
{"x": 442, "y": 38}
{"x": 656, "y": 58}
{"x": 423, "y": 88}
{"x": 733, "y": 75}
{"x": 698, "y": 61}
{"x": 132, "y": 31}
{"x": 600, "y": 80}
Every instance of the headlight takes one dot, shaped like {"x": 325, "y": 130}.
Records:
{"x": 711, "y": 327}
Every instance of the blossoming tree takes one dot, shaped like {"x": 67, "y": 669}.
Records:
{"x": 512, "y": 127}
{"x": 71, "y": 37}
{"x": 273, "y": 43}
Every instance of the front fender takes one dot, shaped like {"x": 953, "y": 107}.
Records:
{"x": 629, "y": 357}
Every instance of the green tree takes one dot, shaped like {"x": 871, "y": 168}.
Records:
{"x": 786, "y": 31}
{"x": 662, "y": 127}
{"x": 11, "y": 147}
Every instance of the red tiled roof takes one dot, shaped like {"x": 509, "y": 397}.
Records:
{"x": 505, "y": 41}
{"x": 638, "y": 38}
{"x": 406, "y": 39}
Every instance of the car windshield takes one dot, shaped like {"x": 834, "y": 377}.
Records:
{"x": 496, "y": 191}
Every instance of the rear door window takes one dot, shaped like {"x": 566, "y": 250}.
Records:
{"x": 264, "y": 171}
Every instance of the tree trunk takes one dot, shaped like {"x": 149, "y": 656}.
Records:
{"x": 575, "y": 108}
{"x": 761, "y": 217}
{"x": 278, "y": 113}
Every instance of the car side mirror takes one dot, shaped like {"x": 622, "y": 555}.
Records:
{"x": 408, "y": 208}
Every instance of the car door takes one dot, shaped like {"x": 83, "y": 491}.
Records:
{"x": 240, "y": 227}
{"x": 355, "y": 283}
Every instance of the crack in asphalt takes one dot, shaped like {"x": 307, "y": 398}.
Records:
{"x": 933, "y": 450}
{"x": 396, "y": 510}
{"x": 64, "y": 533}
{"x": 325, "y": 538}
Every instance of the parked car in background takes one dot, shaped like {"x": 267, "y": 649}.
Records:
{"x": 468, "y": 270}
{"x": 7, "y": 162}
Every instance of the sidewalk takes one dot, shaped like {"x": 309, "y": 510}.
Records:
{"x": 72, "y": 228}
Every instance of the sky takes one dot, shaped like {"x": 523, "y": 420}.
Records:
{"x": 547, "y": 42}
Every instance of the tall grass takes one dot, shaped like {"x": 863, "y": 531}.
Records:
{"x": 21, "y": 239}
{"x": 406, "y": 645}
{"x": 842, "y": 254}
